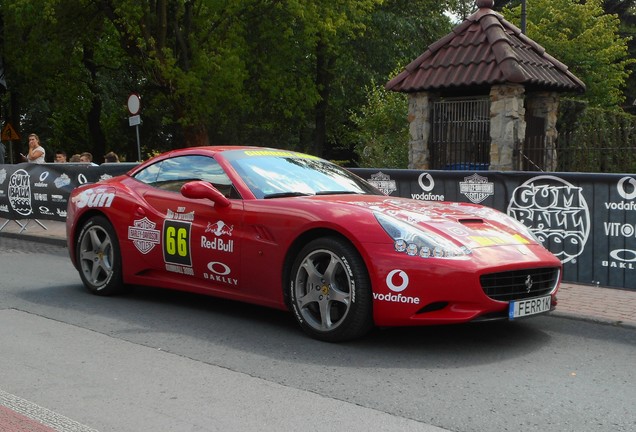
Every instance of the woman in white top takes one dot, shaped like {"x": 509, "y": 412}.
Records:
{"x": 36, "y": 151}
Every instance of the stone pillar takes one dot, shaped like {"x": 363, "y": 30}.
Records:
{"x": 419, "y": 130}
{"x": 546, "y": 106}
{"x": 507, "y": 126}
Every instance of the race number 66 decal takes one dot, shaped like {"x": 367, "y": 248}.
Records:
{"x": 176, "y": 241}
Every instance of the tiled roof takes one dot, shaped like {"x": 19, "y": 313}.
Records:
{"x": 485, "y": 50}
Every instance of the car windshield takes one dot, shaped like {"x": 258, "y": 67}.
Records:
{"x": 279, "y": 173}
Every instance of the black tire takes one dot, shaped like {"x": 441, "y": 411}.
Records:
{"x": 330, "y": 292}
{"x": 99, "y": 258}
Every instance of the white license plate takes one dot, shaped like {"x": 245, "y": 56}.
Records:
{"x": 533, "y": 306}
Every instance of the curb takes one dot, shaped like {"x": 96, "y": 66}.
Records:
{"x": 35, "y": 238}
{"x": 593, "y": 319}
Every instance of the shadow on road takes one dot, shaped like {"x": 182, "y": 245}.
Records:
{"x": 151, "y": 316}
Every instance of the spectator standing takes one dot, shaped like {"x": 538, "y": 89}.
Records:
{"x": 86, "y": 157}
{"x": 60, "y": 156}
{"x": 111, "y": 157}
{"x": 75, "y": 158}
{"x": 36, "y": 152}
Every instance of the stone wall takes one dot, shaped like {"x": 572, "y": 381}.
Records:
{"x": 507, "y": 125}
{"x": 546, "y": 106}
{"x": 419, "y": 130}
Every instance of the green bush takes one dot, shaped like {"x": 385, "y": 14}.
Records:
{"x": 381, "y": 134}
{"x": 595, "y": 140}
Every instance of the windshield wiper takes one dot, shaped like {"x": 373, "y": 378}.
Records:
{"x": 286, "y": 194}
{"x": 334, "y": 192}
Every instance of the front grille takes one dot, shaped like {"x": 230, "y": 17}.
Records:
{"x": 520, "y": 284}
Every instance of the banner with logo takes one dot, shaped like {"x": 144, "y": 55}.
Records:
{"x": 587, "y": 220}
{"x": 41, "y": 191}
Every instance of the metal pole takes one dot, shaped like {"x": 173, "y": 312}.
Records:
{"x": 138, "y": 144}
{"x": 523, "y": 16}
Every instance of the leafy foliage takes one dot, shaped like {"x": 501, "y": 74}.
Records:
{"x": 398, "y": 31}
{"x": 59, "y": 73}
{"x": 594, "y": 139}
{"x": 586, "y": 39}
{"x": 383, "y": 132}
{"x": 462, "y": 9}
{"x": 298, "y": 74}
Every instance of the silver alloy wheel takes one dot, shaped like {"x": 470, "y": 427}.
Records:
{"x": 96, "y": 256}
{"x": 323, "y": 290}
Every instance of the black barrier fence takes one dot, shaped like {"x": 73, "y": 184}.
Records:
{"x": 41, "y": 191}
{"x": 587, "y": 220}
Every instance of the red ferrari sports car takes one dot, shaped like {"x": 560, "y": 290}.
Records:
{"x": 292, "y": 231}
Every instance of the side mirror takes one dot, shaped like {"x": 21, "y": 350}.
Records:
{"x": 203, "y": 190}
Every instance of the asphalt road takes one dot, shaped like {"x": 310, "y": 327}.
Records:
{"x": 157, "y": 360}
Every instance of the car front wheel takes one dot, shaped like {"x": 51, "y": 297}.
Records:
{"x": 99, "y": 258}
{"x": 330, "y": 292}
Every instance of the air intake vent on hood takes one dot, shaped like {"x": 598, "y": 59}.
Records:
{"x": 470, "y": 221}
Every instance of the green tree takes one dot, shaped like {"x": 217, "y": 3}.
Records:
{"x": 382, "y": 137}
{"x": 399, "y": 32}
{"x": 626, "y": 11}
{"x": 294, "y": 50}
{"x": 61, "y": 75}
{"x": 333, "y": 25}
{"x": 584, "y": 38}
{"x": 29, "y": 58}
{"x": 462, "y": 9}
{"x": 191, "y": 52}
{"x": 285, "y": 73}
{"x": 279, "y": 92}
{"x": 232, "y": 69}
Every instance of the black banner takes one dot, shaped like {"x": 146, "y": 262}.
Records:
{"x": 587, "y": 220}
{"x": 41, "y": 191}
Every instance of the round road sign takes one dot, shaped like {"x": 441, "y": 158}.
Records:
{"x": 134, "y": 103}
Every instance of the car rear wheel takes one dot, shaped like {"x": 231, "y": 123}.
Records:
{"x": 330, "y": 292}
{"x": 99, "y": 258}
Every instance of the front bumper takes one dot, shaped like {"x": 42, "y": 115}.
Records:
{"x": 411, "y": 291}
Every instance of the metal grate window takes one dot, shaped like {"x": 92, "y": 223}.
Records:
{"x": 460, "y": 134}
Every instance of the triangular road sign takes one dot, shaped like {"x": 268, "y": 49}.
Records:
{"x": 9, "y": 134}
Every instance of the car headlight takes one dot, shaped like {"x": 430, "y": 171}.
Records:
{"x": 414, "y": 241}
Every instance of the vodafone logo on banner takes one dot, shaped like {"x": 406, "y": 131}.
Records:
{"x": 627, "y": 192}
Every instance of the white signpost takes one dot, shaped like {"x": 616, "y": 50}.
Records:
{"x": 134, "y": 106}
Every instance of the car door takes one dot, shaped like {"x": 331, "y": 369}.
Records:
{"x": 199, "y": 242}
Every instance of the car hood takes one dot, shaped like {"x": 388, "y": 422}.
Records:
{"x": 468, "y": 224}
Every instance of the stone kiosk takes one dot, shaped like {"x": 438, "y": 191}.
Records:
{"x": 488, "y": 56}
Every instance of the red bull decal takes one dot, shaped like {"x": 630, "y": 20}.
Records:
{"x": 219, "y": 228}
{"x": 217, "y": 244}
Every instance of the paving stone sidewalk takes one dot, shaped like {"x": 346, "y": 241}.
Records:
{"x": 586, "y": 302}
